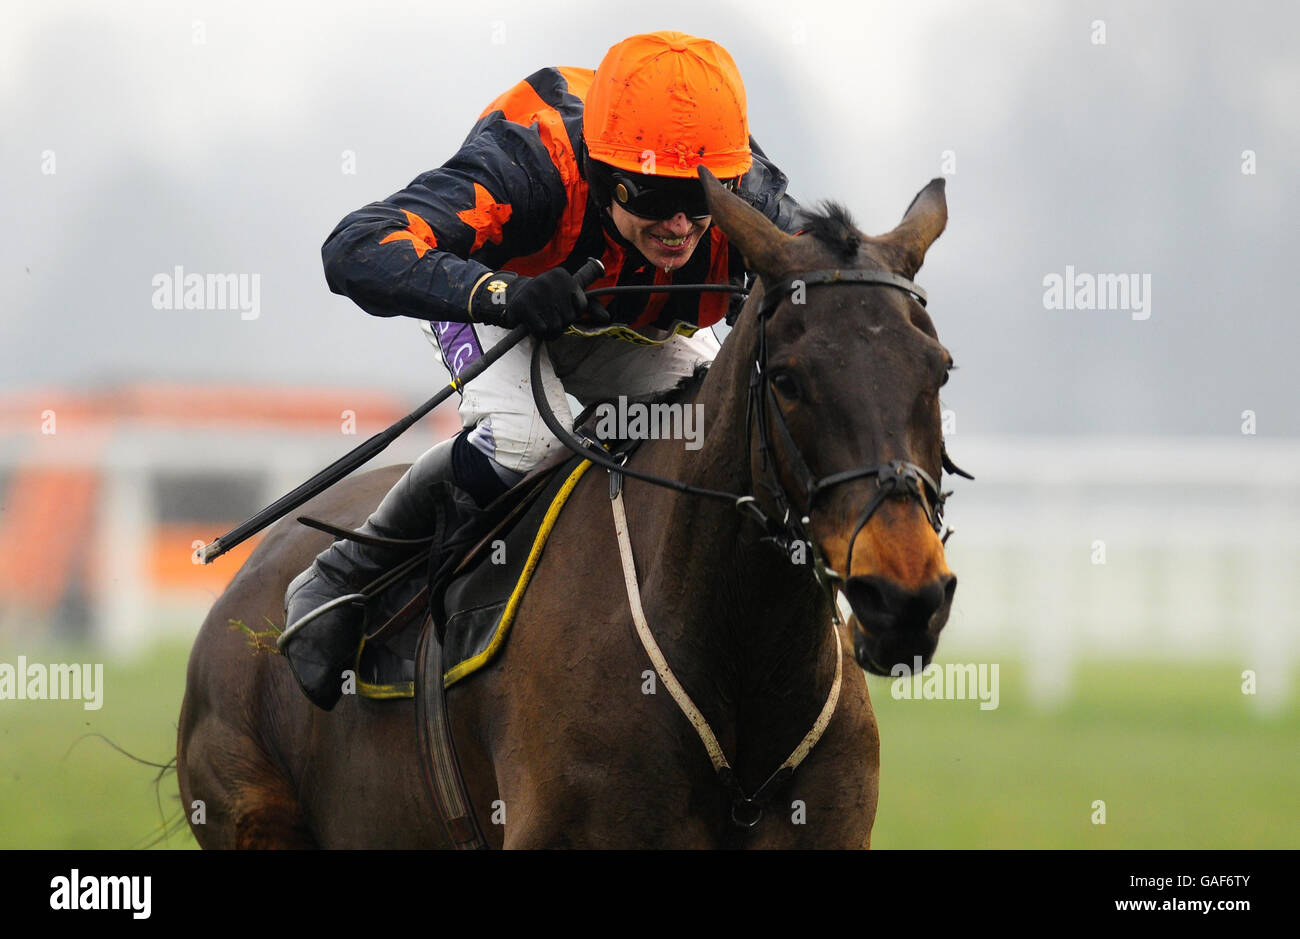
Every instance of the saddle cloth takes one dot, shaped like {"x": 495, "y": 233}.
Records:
{"x": 472, "y": 597}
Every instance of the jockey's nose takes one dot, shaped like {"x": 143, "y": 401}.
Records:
{"x": 679, "y": 224}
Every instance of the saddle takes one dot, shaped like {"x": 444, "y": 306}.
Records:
{"x": 471, "y": 586}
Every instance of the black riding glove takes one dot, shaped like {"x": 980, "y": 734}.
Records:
{"x": 545, "y": 304}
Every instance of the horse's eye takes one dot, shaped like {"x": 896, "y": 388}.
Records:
{"x": 785, "y": 386}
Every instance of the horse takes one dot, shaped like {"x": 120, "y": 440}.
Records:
{"x": 822, "y": 410}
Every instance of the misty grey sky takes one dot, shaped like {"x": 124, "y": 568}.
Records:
{"x": 227, "y": 156}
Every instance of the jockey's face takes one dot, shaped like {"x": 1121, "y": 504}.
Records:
{"x": 666, "y": 244}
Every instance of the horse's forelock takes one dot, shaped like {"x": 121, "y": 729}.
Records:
{"x": 833, "y": 226}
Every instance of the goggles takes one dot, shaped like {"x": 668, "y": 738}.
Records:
{"x": 654, "y": 197}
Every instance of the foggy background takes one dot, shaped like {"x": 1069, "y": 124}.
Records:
{"x": 226, "y": 155}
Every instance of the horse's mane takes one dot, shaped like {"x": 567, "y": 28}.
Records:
{"x": 690, "y": 382}
{"x": 683, "y": 389}
{"x": 832, "y": 225}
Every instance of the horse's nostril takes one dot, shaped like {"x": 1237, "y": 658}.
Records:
{"x": 928, "y": 600}
{"x": 885, "y": 605}
{"x": 869, "y": 593}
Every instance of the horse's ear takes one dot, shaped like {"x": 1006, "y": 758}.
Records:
{"x": 765, "y": 247}
{"x": 922, "y": 223}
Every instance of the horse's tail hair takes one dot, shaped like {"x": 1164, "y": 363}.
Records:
{"x": 166, "y": 827}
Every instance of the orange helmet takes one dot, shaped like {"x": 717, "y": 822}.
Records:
{"x": 665, "y": 102}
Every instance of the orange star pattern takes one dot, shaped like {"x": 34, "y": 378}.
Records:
{"x": 417, "y": 232}
{"x": 486, "y": 218}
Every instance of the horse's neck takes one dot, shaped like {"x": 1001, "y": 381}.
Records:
{"x": 744, "y": 627}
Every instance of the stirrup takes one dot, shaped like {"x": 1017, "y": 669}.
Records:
{"x": 323, "y": 608}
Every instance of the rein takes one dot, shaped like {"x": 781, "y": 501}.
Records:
{"x": 894, "y": 479}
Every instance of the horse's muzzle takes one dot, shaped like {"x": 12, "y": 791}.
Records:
{"x": 894, "y": 625}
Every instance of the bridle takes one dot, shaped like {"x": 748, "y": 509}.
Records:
{"x": 789, "y": 524}
{"x": 894, "y": 479}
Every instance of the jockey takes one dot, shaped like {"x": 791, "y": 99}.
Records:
{"x": 568, "y": 164}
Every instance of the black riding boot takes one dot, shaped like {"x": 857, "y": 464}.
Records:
{"x": 428, "y": 500}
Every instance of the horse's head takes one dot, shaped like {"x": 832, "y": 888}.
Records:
{"x": 854, "y": 375}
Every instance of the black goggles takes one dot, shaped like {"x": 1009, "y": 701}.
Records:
{"x": 658, "y": 198}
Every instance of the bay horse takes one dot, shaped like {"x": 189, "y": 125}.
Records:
{"x": 816, "y": 400}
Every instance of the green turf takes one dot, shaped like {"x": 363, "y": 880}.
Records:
{"x": 1176, "y": 753}
{"x": 59, "y": 791}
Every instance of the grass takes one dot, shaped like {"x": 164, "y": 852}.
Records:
{"x": 62, "y": 789}
{"x": 1176, "y": 753}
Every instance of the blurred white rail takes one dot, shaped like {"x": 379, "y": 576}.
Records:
{"x": 1201, "y": 542}
{"x": 1158, "y": 548}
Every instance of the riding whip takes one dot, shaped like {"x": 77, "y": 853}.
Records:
{"x": 376, "y": 444}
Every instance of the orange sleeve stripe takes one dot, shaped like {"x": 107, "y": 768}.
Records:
{"x": 523, "y": 105}
{"x": 579, "y": 80}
